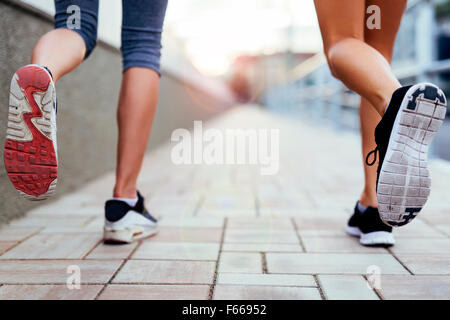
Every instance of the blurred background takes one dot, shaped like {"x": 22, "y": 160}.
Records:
{"x": 269, "y": 52}
{"x": 216, "y": 54}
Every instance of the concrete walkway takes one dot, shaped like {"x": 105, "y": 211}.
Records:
{"x": 228, "y": 232}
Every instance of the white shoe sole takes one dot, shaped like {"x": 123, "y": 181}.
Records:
{"x": 376, "y": 238}
{"x": 30, "y": 152}
{"x": 128, "y": 235}
{"x": 404, "y": 181}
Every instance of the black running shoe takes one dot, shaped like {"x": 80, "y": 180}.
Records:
{"x": 369, "y": 228}
{"x": 125, "y": 224}
{"x": 403, "y": 135}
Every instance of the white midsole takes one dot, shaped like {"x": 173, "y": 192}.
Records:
{"x": 371, "y": 238}
{"x": 131, "y": 227}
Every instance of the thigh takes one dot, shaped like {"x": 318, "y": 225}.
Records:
{"x": 340, "y": 19}
{"x": 383, "y": 39}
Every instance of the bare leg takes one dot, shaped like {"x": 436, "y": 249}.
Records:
{"x": 361, "y": 67}
{"x": 369, "y": 119}
{"x": 60, "y": 50}
{"x": 383, "y": 41}
{"x": 137, "y": 106}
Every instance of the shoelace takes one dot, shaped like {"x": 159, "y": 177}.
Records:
{"x": 374, "y": 152}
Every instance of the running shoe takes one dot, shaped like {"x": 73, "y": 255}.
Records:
{"x": 414, "y": 115}
{"x": 368, "y": 226}
{"x": 125, "y": 224}
{"x": 30, "y": 152}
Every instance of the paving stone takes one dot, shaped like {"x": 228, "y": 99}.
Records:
{"x": 289, "y": 280}
{"x": 177, "y": 251}
{"x": 56, "y": 246}
{"x": 155, "y": 292}
{"x": 331, "y": 263}
{"x": 417, "y": 229}
{"x": 63, "y": 209}
{"x": 9, "y": 233}
{"x": 259, "y": 223}
{"x": 265, "y": 217}
{"x": 166, "y": 272}
{"x": 54, "y": 221}
{"x": 65, "y": 230}
{"x": 339, "y": 287}
{"x": 48, "y": 292}
{"x": 433, "y": 213}
{"x": 337, "y": 245}
{"x": 240, "y": 262}
{"x": 225, "y": 212}
{"x": 426, "y": 264}
{"x": 320, "y": 222}
{"x": 262, "y": 247}
{"x": 173, "y": 210}
{"x": 191, "y": 222}
{"x": 260, "y": 236}
{"x": 188, "y": 235}
{"x": 231, "y": 199}
{"x": 112, "y": 251}
{"x": 444, "y": 228}
{"x": 425, "y": 246}
{"x": 55, "y": 271}
{"x": 226, "y": 292}
{"x": 415, "y": 287}
{"x": 325, "y": 233}
{"x": 6, "y": 245}
{"x": 276, "y": 213}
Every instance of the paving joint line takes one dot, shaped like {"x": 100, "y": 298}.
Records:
{"x": 110, "y": 280}
{"x": 198, "y": 205}
{"x": 399, "y": 261}
{"x": 319, "y": 287}
{"x": 213, "y": 286}
{"x": 380, "y": 296}
{"x": 118, "y": 270}
{"x": 92, "y": 249}
{"x": 264, "y": 263}
{"x": 302, "y": 245}
{"x": 22, "y": 240}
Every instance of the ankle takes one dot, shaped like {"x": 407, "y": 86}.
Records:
{"x": 368, "y": 200}
{"x": 382, "y": 99}
{"x": 125, "y": 192}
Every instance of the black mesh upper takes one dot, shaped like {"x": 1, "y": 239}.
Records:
{"x": 368, "y": 221}
{"x": 116, "y": 209}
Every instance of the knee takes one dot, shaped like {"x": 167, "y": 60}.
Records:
{"x": 335, "y": 52}
{"x": 141, "y": 47}
{"x": 331, "y": 59}
{"x": 86, "y": 26}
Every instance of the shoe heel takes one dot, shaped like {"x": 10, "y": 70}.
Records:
{"x": 118, "y": 236}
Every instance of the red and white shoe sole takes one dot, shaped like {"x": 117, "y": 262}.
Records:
{"x": 30, "y": 152}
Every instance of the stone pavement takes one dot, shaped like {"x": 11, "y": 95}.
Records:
{"x": 228, "y": 232}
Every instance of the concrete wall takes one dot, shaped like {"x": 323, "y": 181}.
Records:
{"x": 87, "y": 100}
